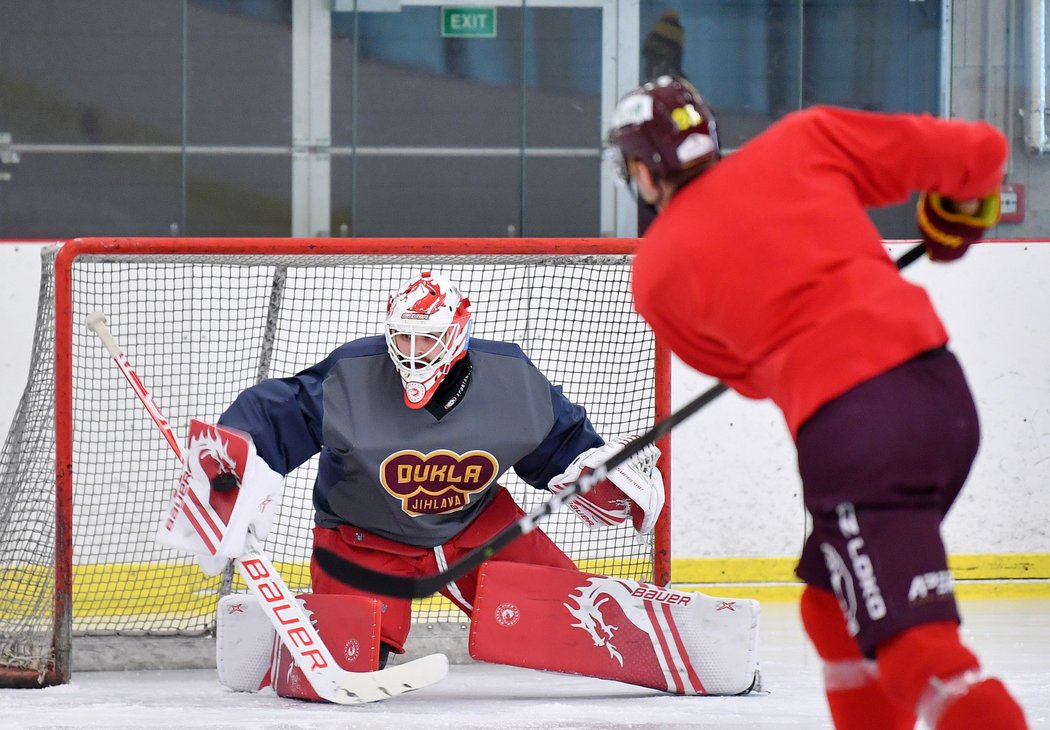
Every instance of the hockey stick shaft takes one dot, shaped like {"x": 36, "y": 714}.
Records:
{"x": 258, "y": 572}
{"x": 287, "y": 617}
{"x": 96, "y": 322}
{"x": 362, "y": 578}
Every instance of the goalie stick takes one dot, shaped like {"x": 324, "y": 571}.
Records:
{"x": 399, "y": 586}
{"x": 289, "y": 620}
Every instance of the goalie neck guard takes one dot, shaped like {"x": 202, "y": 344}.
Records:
{"x": 427, "y": 330}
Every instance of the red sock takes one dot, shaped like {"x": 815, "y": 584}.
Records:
{"x": 856, "y": 697}
{"x": 985, "y": 704}
{"x": 928, "y": 667}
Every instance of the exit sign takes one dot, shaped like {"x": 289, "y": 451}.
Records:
{"x": 468, "y": 22}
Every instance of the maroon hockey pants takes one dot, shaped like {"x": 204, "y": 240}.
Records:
{"x": 881, "y": 465}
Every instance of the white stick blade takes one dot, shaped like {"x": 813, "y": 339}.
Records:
{"x": 358, "y": 688}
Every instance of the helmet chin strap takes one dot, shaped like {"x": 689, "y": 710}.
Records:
{"x": 644, "y": 205}
{"x": 693, "y": 173}
{"x": 631, "y": 185}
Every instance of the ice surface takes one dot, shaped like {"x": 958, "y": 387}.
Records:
{"x": 1012, "y": 637}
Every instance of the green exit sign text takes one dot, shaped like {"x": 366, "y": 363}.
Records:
{"x": 468, "y": 22}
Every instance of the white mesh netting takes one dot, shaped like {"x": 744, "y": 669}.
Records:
{"x": 200, "y": 328}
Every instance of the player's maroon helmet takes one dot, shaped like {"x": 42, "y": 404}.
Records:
{"x": 664, "y": 124}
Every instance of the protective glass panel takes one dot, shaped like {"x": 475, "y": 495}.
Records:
{"x": 67, "y": 194}
{"x": 238, "y": 195}
{"x": 759, "y": 60}
{"x": 238, "y": 73}
{"x": 105, "y": 72}
{"x": 121, "y": 118}
{"x": 440, "y": 131}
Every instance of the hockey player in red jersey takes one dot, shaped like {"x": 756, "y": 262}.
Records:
{"x": 764, "y": 270}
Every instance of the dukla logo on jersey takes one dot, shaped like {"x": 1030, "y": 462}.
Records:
{"x": 438, "y": 482}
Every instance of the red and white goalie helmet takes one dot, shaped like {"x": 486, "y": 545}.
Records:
{"x": 427, "y": 330}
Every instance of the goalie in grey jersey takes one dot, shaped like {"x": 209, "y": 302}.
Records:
{"x": 411, "y": 451}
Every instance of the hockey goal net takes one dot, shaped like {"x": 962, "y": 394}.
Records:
{"x": 85, "y": 475}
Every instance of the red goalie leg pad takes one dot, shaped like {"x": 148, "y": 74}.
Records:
{"x": 612, "y": 628}
{"x": 349, "y": 627}
{"x": 929, "y": 667}
{"x": 856, "y": 697}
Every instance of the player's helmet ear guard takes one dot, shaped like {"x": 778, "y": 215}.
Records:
{"x": 434, "y": 316}
{"x": 666, "y": 125}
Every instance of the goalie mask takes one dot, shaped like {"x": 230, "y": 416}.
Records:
{"x": 666, "y": 126}
{"x": 427, "y": 330}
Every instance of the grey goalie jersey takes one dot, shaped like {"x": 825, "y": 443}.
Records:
{"x": 406, "y": 474}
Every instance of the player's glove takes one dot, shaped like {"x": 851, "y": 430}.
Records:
{"x": 947, "y": 232}
{"x": 635, "y": 488}
{"x": 225, "y": 491}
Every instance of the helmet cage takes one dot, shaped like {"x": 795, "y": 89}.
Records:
{"x": 616, "y": 164}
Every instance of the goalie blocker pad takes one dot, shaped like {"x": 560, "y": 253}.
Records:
{"x": 250, "y": 655}
{"x": 611, "y": 628}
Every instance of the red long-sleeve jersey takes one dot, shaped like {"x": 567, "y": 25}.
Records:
{"x": 766, "y": 272}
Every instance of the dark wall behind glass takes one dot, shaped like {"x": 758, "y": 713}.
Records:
{"x": 757, "y": 60}
{"x": 153, "y": 117}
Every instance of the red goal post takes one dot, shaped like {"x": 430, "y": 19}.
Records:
{"x": 202, "y": 319}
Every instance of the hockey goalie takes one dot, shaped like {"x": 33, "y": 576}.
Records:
{"x": 414, "y": 429}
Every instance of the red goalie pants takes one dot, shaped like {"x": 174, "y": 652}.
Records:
{"x": 379, "y": 553}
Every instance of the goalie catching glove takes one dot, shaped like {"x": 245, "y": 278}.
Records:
{"x": 946, "y": 230}
{"x": 634, "y": 489}
{"x": 226, "y": 491}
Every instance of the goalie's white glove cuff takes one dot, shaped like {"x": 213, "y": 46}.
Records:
{"x": 643, "y": 485}
{"x": 211, "y": 564}
{"x": 214, "y": 524}
{"x": 603, "y": 506}
{"x": 634, "y": 489}
{"x": 257, "y": 504}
